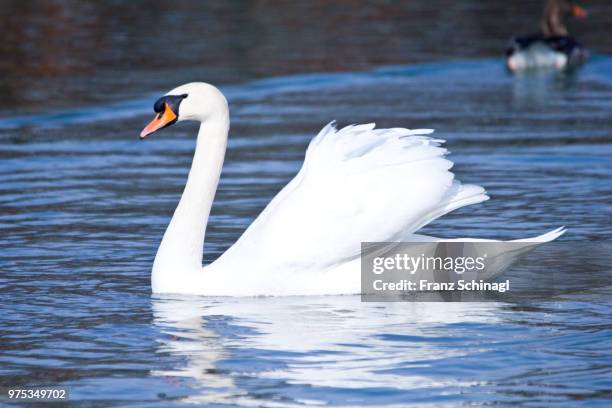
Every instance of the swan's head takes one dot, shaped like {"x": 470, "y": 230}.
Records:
{"x": 197, "y": 101}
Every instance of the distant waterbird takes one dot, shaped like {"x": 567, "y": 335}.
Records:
{"x": 552, "y": 47}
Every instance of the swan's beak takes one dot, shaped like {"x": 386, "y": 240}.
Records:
{"x": 160, "y": 121}
{"x": 579, "y": 12}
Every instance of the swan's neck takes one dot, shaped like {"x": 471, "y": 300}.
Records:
{"x": 182, "y": 247}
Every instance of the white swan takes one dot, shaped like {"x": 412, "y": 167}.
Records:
{"x": 356, "y": 184}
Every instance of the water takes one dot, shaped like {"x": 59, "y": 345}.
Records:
{"x": 83, "y": 205}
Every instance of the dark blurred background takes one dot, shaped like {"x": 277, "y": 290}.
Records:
{"x": 66, "y": 53}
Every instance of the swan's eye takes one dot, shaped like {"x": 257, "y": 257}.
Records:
{"x": 159, "y": 105}
{"x": 173, "y": 100}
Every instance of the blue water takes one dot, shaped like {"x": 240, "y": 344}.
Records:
{"x": 83, "y": 206}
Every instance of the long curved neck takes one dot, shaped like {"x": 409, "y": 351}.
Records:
{"x": 182, "y": 247}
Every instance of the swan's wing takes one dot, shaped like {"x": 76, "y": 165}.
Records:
{"x": 356, "y": 184}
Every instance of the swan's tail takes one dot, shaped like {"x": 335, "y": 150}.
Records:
{"x": 549, "y": 236}
{"x": 501, "y": 255}
{"x": 504, "y": 255}
{"x": 540, "y": 239}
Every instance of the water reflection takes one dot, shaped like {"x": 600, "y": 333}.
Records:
{"x": 186, "y": 335}
{"x": 361, "y": 345}
{"x": 541, "y": 87}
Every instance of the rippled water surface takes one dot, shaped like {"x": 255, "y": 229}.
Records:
{"x": 83, "y": 206}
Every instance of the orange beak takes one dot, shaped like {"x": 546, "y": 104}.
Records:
{"x": 578, "y": 11}
{"x": 162, "y": 120}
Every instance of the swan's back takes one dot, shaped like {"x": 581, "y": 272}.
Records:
{"x": 356, "y": 184}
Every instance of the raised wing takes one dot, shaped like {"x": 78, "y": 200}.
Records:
{"x": 356, "y": 184}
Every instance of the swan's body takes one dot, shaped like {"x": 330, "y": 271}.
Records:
{"x": 553, "y": 47}
{"x": 356, "y": 184}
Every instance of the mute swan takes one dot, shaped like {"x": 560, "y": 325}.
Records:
{"x": 356, "y": 184}
{"x": 553, "y": 47}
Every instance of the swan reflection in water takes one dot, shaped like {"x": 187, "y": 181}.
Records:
{"x": 232, "y": 348}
